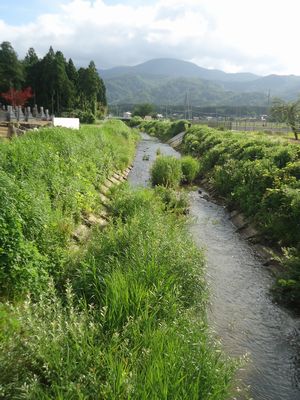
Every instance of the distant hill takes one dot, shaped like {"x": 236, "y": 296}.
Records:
{"x": 284, "y": 86}
{"x": 177, "y": 68}
{"x": 170, "y": 81}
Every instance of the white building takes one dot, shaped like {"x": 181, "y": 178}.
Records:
{"x": 127, "y": 115}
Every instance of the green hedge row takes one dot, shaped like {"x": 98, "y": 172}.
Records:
{"x": 260, "y": 176}
{"x": 164, "y": 130}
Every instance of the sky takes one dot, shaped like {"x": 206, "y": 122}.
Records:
{"x": 258, "y": 36}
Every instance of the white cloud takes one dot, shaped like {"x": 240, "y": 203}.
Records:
{"x": 234, "y": 35}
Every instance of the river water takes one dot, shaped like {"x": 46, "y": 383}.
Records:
{"x": 242, "y": 314}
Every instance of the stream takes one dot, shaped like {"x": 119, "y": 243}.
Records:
{"x": 242, "y": 314}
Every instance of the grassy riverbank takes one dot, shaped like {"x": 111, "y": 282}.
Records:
{"x": 259, "y": 176}
{"x": 48, "y": 179}
{"x": 125, "y": 316}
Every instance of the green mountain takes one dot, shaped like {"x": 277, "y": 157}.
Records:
{"x": 284, "y": 86}
{"x": 177, "y": 68}
{"x": 175, "y": 91}
{"x": 170, "y": 81}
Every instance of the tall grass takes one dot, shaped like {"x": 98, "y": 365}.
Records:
{"x": 48, "y": 179}
{"x": 190, "y": 168}
{"x": 131, "y": 323}
{"x": 166, "y": 171}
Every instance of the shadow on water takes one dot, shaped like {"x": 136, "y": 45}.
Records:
{"x": 241, "y": 313}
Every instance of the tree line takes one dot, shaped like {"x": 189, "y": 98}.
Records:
{"x": 55, "y": 82}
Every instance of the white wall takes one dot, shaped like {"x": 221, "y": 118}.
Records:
{"x": 66, "y": 122}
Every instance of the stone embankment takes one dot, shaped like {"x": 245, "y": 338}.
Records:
{"x": 82, "y": 231}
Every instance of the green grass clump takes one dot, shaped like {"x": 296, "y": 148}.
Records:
{"x": 190, "y": 168}
{"x": 130, "y": 324}
{"x": 166, "y": 171}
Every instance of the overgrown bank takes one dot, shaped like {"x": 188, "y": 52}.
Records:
{"x": 260, "y": 177}
{"x": 48, "y": 180}
{"x": 123, "y": 319}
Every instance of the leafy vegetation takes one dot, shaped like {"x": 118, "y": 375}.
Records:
{"x": 166, "y": 171}
{"x": 287, "y": 112}
{"x": 164, "y": 130}
{"x": 141, "y": 110}
{"x": 48, "y": 179}
{"x": 190, "y": 169}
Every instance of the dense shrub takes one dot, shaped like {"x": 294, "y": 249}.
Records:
{"x": 85, "y": 117}
{"x": 166, "y": 171}
{"x": 135, "y": 121}
{"x": 164, "y": 130}
{"x": 288, "y": 285}
{"x": 190, "y": 168}
{"x": 173, "y": 200}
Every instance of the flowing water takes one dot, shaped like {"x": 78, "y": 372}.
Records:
{"x": 241, "y": 313}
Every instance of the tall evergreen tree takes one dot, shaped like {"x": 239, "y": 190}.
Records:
{"x": 91, "y": 88}
{"x": 11, "y": 71}
{"x": 63, "y": 86}
{"x": 31, "y": 63}
{"x": 72, "y": 72}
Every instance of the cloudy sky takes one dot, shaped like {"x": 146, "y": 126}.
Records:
{"x": 260, "y": 36}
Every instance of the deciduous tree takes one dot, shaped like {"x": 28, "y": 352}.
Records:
{"x": 287, "y": 112}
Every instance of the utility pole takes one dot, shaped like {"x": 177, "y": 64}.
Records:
{"x": 187, "y": 106}
{"x": 269, "y": 94}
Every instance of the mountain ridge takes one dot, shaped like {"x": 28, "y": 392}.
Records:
{"x": 178, "y": 68}
{"x": 165, "y": 80}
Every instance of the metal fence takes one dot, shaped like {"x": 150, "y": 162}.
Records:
{"x": 246, "y": 125}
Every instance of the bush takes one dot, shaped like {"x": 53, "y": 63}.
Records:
{"x": 135, "y": 121}
{"x": 166, "y": 171}
{"x": 86, "y": 117}
{"x": 173, "y": 200}
{"x": 164, "y": 130}
{"x": 287, "y": 287}
{"x": 190, "y": 168}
